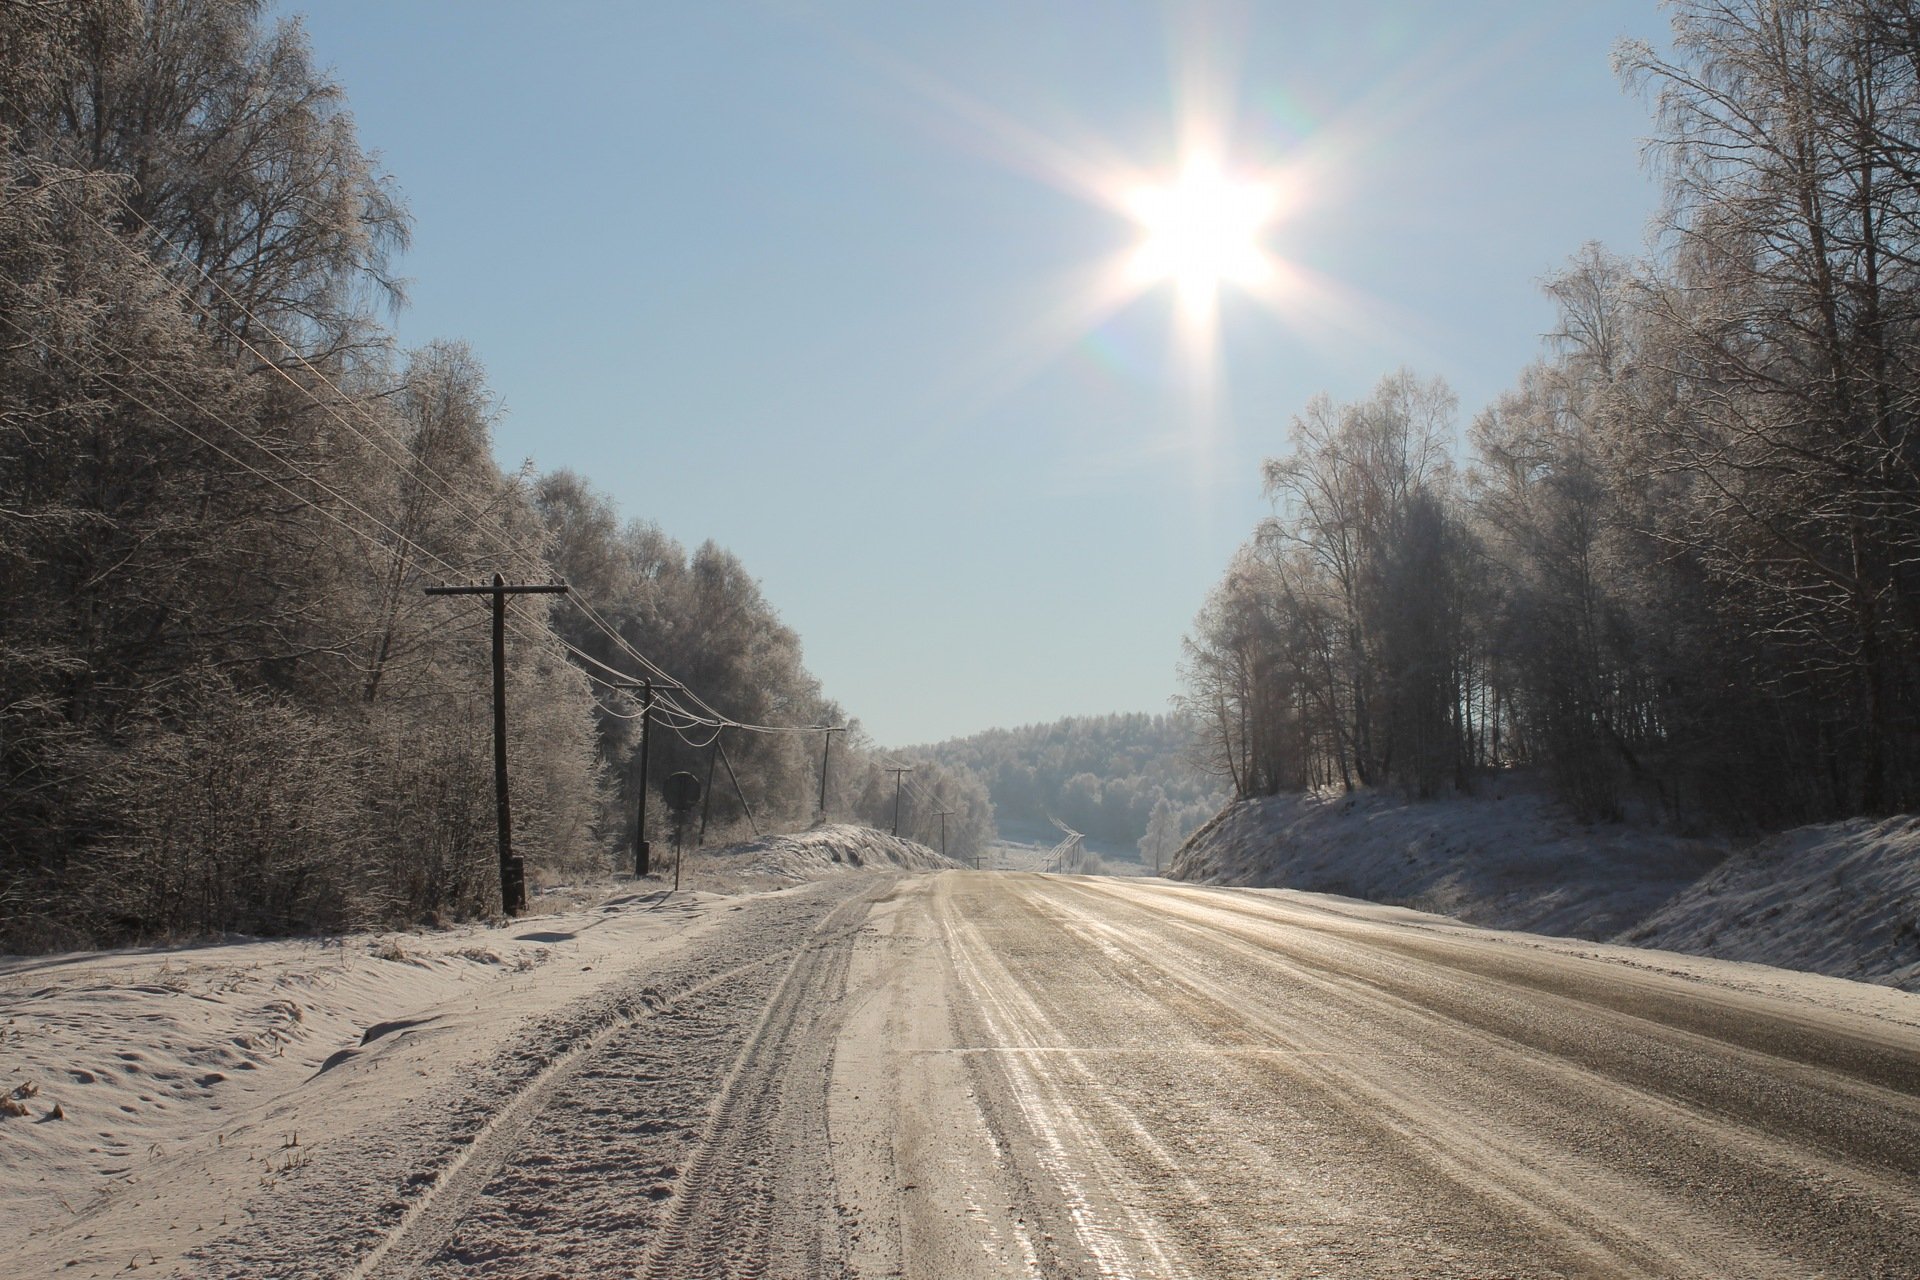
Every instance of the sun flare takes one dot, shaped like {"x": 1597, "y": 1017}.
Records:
{"x": 1203, "y": 230}
{"x": 1213, "y": 216}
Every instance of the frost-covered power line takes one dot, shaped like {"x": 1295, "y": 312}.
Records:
{"x": 410, "y": 460}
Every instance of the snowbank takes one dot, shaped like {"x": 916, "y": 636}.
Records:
{"x": 1507, "y": 858}
{"x": 229, "y": 1059}
{"x": 1841, "y": 899}
{"x": 773, "y": 861}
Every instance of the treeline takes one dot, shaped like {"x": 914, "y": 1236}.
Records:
{"x": 1110, "y": 777}
{"x": 225, "y": 703}
{"x": 1683, "y": 561}
{"x": 871, "y": 795}
{"x": 702, "y": 618}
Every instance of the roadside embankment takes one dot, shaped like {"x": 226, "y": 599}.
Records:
{"x": 1840, "y": 898}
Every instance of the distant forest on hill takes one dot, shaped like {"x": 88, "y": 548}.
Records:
{"x": 225, "y": 703}
{"x": 1114, "y": 778}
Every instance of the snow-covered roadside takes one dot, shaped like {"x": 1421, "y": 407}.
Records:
{"x": 1868, "y": 1000}
{"x": 1841, "y": 899}
{"x": 777, "y": 860}
{"x": 141, "y": 1063}
{"x": 166, "y": 1094}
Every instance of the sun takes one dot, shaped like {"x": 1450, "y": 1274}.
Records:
{"x": 1203, "y": 230}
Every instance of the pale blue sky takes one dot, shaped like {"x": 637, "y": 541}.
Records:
{"x": 790, "y": 276}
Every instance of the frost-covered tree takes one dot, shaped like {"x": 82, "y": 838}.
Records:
{"x": 1162, "y": 837}
{"x": 223, "y": 703}
{"x": 1781, "y": 315}
{"x": 1684, "y": 571}
{"x": 1339, "y": 647}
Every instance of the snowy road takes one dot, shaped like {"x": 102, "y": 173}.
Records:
{"x": 962, "y": 1075}
{"x": 1210, "y": 1083}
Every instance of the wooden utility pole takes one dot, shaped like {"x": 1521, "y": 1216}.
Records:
{"x": 642, "y": 847}
{"x": 706, "y": 799}
{"x": 513, "y": 871}
{"x": 899, "y": 772}
{"x": 825, "y": 752}
{"x": 942, "y": 815}
{"x": 642, "y": 850}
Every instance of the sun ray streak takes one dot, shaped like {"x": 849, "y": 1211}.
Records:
{"x": 1212, "y": 209}
{"x": 1081, "y": 303}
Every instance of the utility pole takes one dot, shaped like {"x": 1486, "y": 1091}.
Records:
{"x": 824, "y": 753}
{"x": 642, "y": 849}
{"x": 899, "y": 772}
{"x": 706, "y": 796}
{"x": 513, "y": 870}
{"x": 942, "y": 815}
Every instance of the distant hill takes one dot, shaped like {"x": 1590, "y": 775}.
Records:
{"x": 1101, "y": 775}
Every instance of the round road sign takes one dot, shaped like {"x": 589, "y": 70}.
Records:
{"x": 681, "y": 790}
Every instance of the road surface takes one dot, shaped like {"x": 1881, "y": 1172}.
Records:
{"x": 977, "y": 1075}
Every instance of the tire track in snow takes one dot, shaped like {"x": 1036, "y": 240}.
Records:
{"x": 734, "y": 1213}
{"x": 388, "y": 1204}
{"x": 437, "y": 1211}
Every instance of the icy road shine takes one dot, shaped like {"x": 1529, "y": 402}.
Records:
{"x": 961, "y": 1075}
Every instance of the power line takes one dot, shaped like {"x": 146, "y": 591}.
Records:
{"x": 117, "y": 382}
{"x": 409, "y": 460}
{"x": 666, "y": 710}
{"x": 612, "y": 633}
{"x": 698, "y": 746}
{"x": 714, "y": 718}
{"x": 605, "y": 710}
{"x": 154, "y": 409}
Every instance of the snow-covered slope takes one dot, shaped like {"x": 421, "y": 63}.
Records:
{"x": 1841, "y": 899}
{"x": 1506, "y": 858}
{"x": 772, "y": 861}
